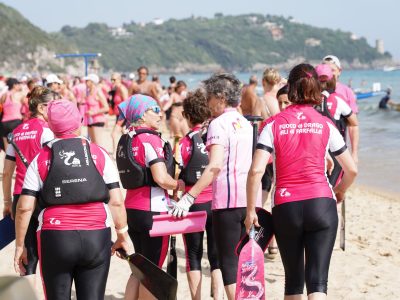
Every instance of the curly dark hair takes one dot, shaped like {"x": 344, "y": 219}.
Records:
{"x": 195, "y": 107}
{"x": 304, "y": 87}
{"x": 224, "y": 86}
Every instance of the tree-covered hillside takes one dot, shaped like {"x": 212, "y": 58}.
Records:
{"x": 230, "y": 42}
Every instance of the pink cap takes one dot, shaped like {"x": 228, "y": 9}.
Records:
{"x": 63, "y": 117}
{"x": 324, "y": 71}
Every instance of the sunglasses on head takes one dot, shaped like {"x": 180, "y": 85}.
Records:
{"x": 155, "y": 109}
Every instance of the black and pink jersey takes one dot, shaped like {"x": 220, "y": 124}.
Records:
{"x": 185, "y": 152}
{"x": 29, "y": 137}
{"x": 147, "y": 150}
{"x": 299, "y": 138}
{"x": 337, "y": 106}
{"x": 87, "y": 216}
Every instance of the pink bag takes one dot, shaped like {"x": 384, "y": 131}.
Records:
{"x": 167, "y": 225}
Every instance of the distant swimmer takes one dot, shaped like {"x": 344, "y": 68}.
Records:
{"x": 386, "y": 100}
{"x": 142, "y": 85}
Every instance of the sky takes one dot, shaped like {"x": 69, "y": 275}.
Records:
{"x": 371, "y": 19}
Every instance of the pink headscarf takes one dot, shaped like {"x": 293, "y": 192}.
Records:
{"x": 63, "y": 117}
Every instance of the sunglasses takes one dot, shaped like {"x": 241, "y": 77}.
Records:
{"x": 155, "y": 109}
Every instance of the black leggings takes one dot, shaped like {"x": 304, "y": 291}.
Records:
{"x": 228, "y": 226}
{"x": 153, "y": 248}
{"x": 79, "y": 255}
{"x": 308, "y": 227}
{"x": 194, "y": 242}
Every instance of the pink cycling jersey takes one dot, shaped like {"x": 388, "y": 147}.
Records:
{"x": 185, "y": 151}
{"x": 87, "y": 216}
{"x": 235, "y": 134}
{"x": 94, "y": 104}
{"x": 29, "y": 137}
{"x": 11, "y": 109}
{"x": 147, "y": 150}
{"x": 347, "y": 95}
{"x": 299, "y": 138}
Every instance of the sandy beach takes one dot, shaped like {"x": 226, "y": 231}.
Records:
{"x": 368, "y": 269}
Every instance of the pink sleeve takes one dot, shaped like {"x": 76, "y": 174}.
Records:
{"x": 216, "y": 135}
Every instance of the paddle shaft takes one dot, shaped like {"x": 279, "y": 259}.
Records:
{"x": 10, "y": 140}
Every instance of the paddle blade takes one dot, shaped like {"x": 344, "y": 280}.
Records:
{"x": 172, "y": 263}
{"x": 263, "y": 233}
{"x": 7, "y": 231}
{"x": 250, "y": 282}
{"x": 159, "y": 283}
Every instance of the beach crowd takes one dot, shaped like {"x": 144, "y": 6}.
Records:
{"x": 176, "y": 152}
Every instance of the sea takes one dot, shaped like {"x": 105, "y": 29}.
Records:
{"x": 379, "y": 150}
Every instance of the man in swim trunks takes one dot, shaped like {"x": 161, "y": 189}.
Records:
{"x": 250, "y": 103}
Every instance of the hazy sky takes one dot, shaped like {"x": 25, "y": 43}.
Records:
{"x": 372, "y": 19}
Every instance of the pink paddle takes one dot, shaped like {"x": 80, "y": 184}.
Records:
{"x": 167, "y": 225}
{"x": 250, "y": 275}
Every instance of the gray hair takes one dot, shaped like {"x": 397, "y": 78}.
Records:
{"x": 224, "y": 86}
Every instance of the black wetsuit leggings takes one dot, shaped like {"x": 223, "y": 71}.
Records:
{"x": 140, "y": 223}
{"x": 194, "y": 242}
{"x": 306, "y": 227}
{"x": 79, "y": 255}
{"x": 228, "y": 226}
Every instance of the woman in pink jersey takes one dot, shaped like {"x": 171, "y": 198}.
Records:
{"x": 79, "y": 193}
{"x": 11, "y": 102}
{"x": 193, "y": 160}
{"x": 30, "y": 138}
{"x": 146, "y": 166}
{"x": 96, "y": 108}
{"x": 304, "y": 207}
{"x": 229, "y": 142}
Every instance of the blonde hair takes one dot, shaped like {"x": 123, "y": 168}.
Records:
{"x": 271, "y": 76}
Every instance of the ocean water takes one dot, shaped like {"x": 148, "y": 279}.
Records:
{"x": 379, "y": 151}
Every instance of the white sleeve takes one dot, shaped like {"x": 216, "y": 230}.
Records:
{"x": 150, "y": 154}
{"x": 47, "y": 135}
{"x": 336, "y": 143}
{"x": 266, "y": 139}
{"x": 343, "y": 108}
{"x": 10, "y": 151}
{"x": 32, "y": 182}
{"x": 110, "y": 172}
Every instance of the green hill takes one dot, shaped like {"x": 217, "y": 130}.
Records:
{"x": 231, "y": 42}
{"x": 24, "y": 46}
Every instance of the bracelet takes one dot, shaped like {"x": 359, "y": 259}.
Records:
{"x": 122, "y": 230}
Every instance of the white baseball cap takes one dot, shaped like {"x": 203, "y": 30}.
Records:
{"x": 333, "y": 59}
{"x": 93, "y": 78}
{"x": 52, "y": 78}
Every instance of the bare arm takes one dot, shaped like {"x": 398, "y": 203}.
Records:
{"x": 350, "y": 172}
{"x": 26, "y": 205}
{"x": 256, "y": 172}
{"x": 212, "y": 170}
{"x": 123, "y": 92}
{"x": 8, "y": 171}
{"x": 354, "y": 136}
{"x": 161, "y": 176}
{"x": 118, "y": 212}
{"x": 103, "y": 101}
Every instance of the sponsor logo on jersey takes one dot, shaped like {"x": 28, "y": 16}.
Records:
{"x": 300, "y": 116}
{"x": 284, "y": 193}
{"x": 69, "y": 159}
{"x": 74, "y": 180}
{"x": 54, "y": 221}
